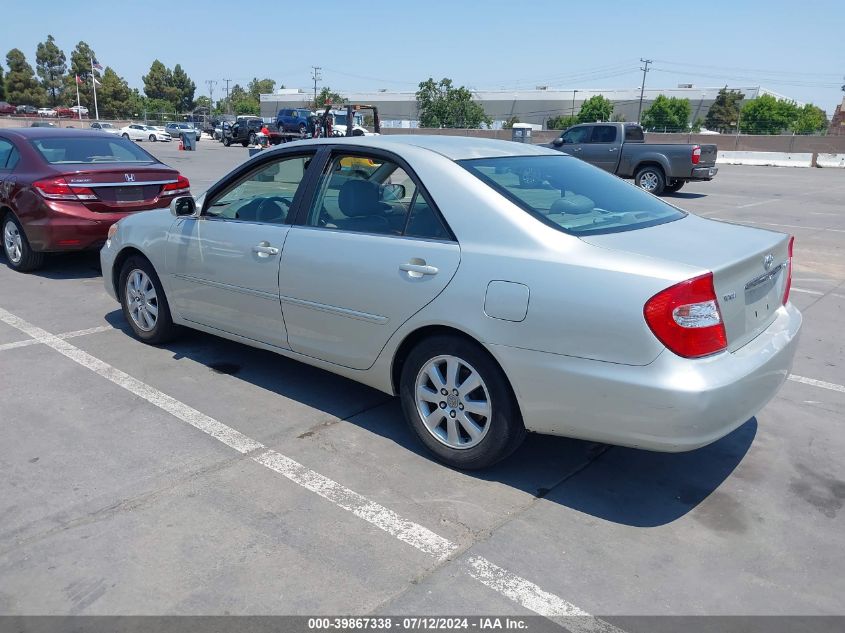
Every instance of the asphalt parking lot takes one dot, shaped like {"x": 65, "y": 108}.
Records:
{"x": 205, "y": 477}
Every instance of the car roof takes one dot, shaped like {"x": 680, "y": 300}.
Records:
{"x": 27, "y": 133}
{"x": 452, "y": 147}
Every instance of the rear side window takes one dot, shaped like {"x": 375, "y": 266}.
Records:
{"x": 604, "y": 134}
{"x": 634, "y": 133}
{"x": 571, "y": 195}
{"x": 7, "y": 152}
{"x": 89, "y": 149}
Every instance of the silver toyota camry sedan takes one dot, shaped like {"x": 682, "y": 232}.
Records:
{"x": 495, "y": 287}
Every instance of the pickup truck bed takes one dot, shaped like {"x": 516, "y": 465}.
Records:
{"x": 620, "y": 149}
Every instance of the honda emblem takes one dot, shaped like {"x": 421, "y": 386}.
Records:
{"x": 129, "y": 177}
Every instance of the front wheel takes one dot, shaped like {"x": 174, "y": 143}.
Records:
{"x": 303, "y": 129}
{"x": 458, "y": 401}
{"x": 144, "y": 305}
{"x": 252, "y": 138}
{"x": 126, "y": 136}
{"x": 153, "y": 138}
{"x": 19, "y": 254}
{"x": 227, "y": 141}
{"x": 674, "y": 186}
{"x": 651, "y": 179}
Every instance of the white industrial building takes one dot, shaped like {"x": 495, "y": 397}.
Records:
{"x": 399, "y": 109}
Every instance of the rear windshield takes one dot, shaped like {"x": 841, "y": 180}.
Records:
{"x": 571, "y": 195}
{"x": 89, "y": 149}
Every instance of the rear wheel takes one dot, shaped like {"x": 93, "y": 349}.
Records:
{"x": 457, "y": 400}
{"x": 651, "y": 179}
{"x": 252, "y": 138}
{"x": 144, "y": 305}
{"x": 303, "y": 129}
{"x": 674, "y": 186}
{"x": 19, "y": 253}
{"x": 227, "y": 141}
{"x": 126, "y": 136}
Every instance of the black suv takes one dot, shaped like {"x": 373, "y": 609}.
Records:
{"x": 243, "y": 131}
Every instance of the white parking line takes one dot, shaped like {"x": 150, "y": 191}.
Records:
{"x": 500, "y": 580}
{"x": 66, "y": 335}
{"x": 817, "y": 383}
{"x": 757, "y": 204}
{"x": 805, "y": 291}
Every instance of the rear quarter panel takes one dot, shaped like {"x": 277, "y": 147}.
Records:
{"x": 145, "y": 232}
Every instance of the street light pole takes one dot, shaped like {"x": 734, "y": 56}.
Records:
{"x": 642, "y": 86}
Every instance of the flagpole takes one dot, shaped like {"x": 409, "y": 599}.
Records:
{"x": 78, "y": 104}
{"x": 94, "y": 84}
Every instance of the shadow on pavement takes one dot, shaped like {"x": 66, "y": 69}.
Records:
{"x": 626, "y": 486}
{"x": 684, "y": 195}
{"x": 79, "y": 265}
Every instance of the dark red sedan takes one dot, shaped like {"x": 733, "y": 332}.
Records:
{"x": 61, "y": 190}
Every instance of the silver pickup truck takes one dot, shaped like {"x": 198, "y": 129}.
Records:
{"x": 620, "y": 148}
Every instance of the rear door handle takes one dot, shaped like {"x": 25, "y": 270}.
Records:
{"x": 418, "y": 270}
{"x": 265, "y": 250}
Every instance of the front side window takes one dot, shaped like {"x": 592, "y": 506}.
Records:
{"x": 577, "y": 135}
{"x": 266, "y": 195}
{"x": 370, "y": 194}
{"x": 571, "y": 195}
{"x": 90, "y": 149}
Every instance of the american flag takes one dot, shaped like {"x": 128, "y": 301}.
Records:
{"x": 79, "y": 81}
{"x": 96, "y": 64}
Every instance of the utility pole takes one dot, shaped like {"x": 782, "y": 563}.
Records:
{"x": 211, "y": 83}
{"x": 316, "y": 76}
{"x": 642, "y": 87}
{"x": 228, "y": 103}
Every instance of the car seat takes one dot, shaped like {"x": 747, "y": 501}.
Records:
{"x": 359, "y": 201}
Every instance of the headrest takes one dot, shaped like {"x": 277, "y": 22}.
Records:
{"x": 360, "y": 198}
{"x": 574, "y": 204}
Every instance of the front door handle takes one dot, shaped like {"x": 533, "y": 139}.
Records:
{"x": 418, "y": 270}
{"x": 265, "y": 250}
{"x": 612, "y": 149}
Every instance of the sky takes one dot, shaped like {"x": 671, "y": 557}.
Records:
{"x": 794, "y": 49}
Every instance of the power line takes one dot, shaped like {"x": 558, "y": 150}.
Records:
{"x": 642, "y": 86}
{"x": 211, "y": 83}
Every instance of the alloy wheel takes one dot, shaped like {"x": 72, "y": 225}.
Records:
{"x": 453, "y": 402}
{"x": 12, "y": 242}
{"x": 141, "y": 299}
{"x": 648, "y": 181}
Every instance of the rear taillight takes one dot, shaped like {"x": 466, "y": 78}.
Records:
{"x": 686, "y": 318}
{"x": 696, "y": 154}
{"x": 59, "y": 189}
{"x": 179, "y": 188}
{"x": 788, "y": 272}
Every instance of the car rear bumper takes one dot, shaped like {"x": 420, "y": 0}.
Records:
{"x": 704, "y": 173}
{"x": 672, "y": 405}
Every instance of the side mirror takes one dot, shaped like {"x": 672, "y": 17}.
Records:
{"x": 392, "y": 192}
{"x": 183, "y": 206}
{"x": 558, "y": 141}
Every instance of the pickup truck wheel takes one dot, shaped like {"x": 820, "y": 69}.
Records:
{"x": 227, "y": 141}
{"x": 674, "y": 186}
{"x": 244, "y": 143}
{"x": 651, "y": 179}
{"x": 252, "y": 138}
{"x": 303, "y": 129}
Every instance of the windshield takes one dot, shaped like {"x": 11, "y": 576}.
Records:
{"x": 105, "y": 149}
{"x": 571, "y": 195}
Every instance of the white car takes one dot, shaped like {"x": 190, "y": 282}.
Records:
{"x": 79, "y": 110}
{"x": 136, "y": 132}
{"x": 46, "y": 112}
{"x": 156, "y": 134}
{"x": 106, "y": 127}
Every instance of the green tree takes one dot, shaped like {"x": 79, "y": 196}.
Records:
{"x": 2, "y": 84}
{"x": 203, "y": 102}
{"x": 561, "y": 122}
{"x": 507, "y": 125}
{"x": 768, "y": 115}
{"x": 242, "y": 102}
{"x": 258, "y": 87}
{"x": 325, "y": 96}
{"x": 185, "y": 89}
{"x": 21, "y": 85}
{"x": 440, "y": 104}
{"x": 667, "y": 114}
{"x": 810, "y": 119}
{"x": 597, "y": 108}
{"x": 51, "y": 66}
{"x": 723, "y": 115}
{"x": 159, "y": 85}
{"x": 80, "y": 66}
{"x": 114, "y": 96}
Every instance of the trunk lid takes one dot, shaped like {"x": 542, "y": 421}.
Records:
{"x": 122, "y": 189}
{"x": 749, "y": 266}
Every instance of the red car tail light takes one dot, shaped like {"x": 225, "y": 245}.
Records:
{"x": 181, "y": 187}
{"x": 696, "y": 154}
{"x": 59, "y": 189}
{"x": 788, "y": 272}
{"x": 686, "y": 318}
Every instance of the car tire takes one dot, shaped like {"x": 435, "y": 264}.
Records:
{"x": 125, "y": 135}
{"x": 303, "y": 129}
{"x": 153, "y": 138}
{"x": 651, "y": 179}
{"x": 245, "y": 143}
{"x": 674, "y": 186}
{"x": 227, "y": 141}
{"x": 144, "y": 303}
{"x": 252, "y": 138}
{"x": 16, "y": 248}
{"x": 495, "y": 435}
